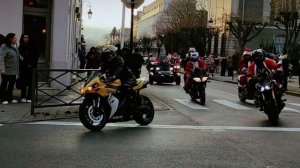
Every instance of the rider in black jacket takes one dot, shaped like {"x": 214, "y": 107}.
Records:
{"x": 113, "y": 65}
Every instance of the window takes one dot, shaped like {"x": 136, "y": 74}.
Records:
{"x": 279, "y": 43}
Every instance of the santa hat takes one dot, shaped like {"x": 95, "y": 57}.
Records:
{"x": 246, "y": 53}
{"x": 247, "y": 49}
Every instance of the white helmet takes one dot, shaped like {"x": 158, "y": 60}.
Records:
{"x": 192, "y": 49}
{"x": 194, "y": 56}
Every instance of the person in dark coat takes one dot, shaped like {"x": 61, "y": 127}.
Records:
{"x": 135, "y": 63}
{"x": 223, "y": 66}
{"x": 81, "y": 56}
{"x": 93, "y": 58}
{"x": 1, "y": 39}
{"x": 9, "y": 68}
{"x": 28, "y": 61}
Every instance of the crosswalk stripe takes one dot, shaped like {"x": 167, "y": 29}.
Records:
{"x": 294, "y": 104}
{"x": 232, "y": 105}
{"x": 190, "y": 104}
{"x": 290, "y": 109}
{"x": 213, "y": 128}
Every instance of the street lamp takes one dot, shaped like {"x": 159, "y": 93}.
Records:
{"x": 132, "y": 4}
{"x": 90, "y": 13}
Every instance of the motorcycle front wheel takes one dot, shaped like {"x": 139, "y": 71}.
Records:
{"x": 145, "y": 113}
{"x": 202, "y": 93}
{"x": 270, "y": 109}
{"x": 91, "y": 117}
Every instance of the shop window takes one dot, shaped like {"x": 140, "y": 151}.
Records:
{"x": 279, "y": 43}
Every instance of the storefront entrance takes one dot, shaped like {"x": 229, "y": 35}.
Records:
{"x": 37, "y": 23}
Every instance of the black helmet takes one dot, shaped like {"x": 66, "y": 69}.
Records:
{"x": 258, "y": 56}
{"x": 109, "y": 52}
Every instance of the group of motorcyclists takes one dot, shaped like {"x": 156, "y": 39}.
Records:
{"x": 254, "y": 67}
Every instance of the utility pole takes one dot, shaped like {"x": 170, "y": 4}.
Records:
{"x": 122, "y": 29}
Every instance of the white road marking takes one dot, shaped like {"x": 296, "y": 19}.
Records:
{"x": 213, "y": 128}
{"x": 226, "y": 93}
{"x": 294, "y": 104}
{"x": 1, "y": 125}
{"x": 190, "y": 104}
{"x": 290, "y": 109}
{"x": 232, "y": 105}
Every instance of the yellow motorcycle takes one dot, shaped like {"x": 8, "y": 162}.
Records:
{"x": 105, "y": 103}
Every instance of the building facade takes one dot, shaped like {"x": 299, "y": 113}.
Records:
{"x": 55, "y": 26}
{"x": 149, "y": 16}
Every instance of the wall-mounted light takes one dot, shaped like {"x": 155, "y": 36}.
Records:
{"x": 90, "y": 13}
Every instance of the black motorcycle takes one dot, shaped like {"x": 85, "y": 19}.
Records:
{"x": 198, "y": 80}
{"x": 270, "y": 96}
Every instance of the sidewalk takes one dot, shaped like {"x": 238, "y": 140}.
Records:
{"x": 20, "y": 112}
{"x": 293, "y": 85}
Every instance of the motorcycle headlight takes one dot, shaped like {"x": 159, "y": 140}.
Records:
{"x": 90, "y": 88}
{"x": 171, "y": 69}
{"x": 197, "y": 79}
{"x": 267, "y": 88}
{"x": 157, "y": 68}
{"x": 204, "y": 79}
{"x": 151, "y": 68}
{"x": 151, "y": 73}
{"x": 262, "y": 89}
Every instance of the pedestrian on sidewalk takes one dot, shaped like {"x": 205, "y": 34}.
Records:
{"x": 9, "y": 67}
{"x": 299, "y": 74}
{"x": 28, "y": 61}
{"x": 223, "y": 66}
{"x": 93, "y": 59}
{"x": 230, "y": 66}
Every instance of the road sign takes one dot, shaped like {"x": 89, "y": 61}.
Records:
{"x": 137, "y": 3}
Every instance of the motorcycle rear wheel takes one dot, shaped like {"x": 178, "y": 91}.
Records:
{"x": 241, "y": 96}
{"x": 91, "y": 119}
{"x": 145, "y": 112}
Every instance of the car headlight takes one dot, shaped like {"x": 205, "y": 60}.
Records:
{"x": 151, "y": 68}
{"x": 157, "y": 68}
{"x": 197, "y": 79}
{"x": 171, "y": 69}
{"x": 151, "y": 73}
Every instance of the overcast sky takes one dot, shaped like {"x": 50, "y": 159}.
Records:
{"x": 107, "y": 13}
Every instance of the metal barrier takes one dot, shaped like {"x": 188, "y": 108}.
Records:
{"x": 59, "y": 89}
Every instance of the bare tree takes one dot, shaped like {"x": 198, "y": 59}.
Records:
{"x": 179, "y": 22}
{"x": 244, "y": 30}
{"x": 291, "y": 25}
{"x": 147, "y": 43}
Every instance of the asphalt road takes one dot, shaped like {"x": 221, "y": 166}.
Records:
{"x": 223, "y": 133}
